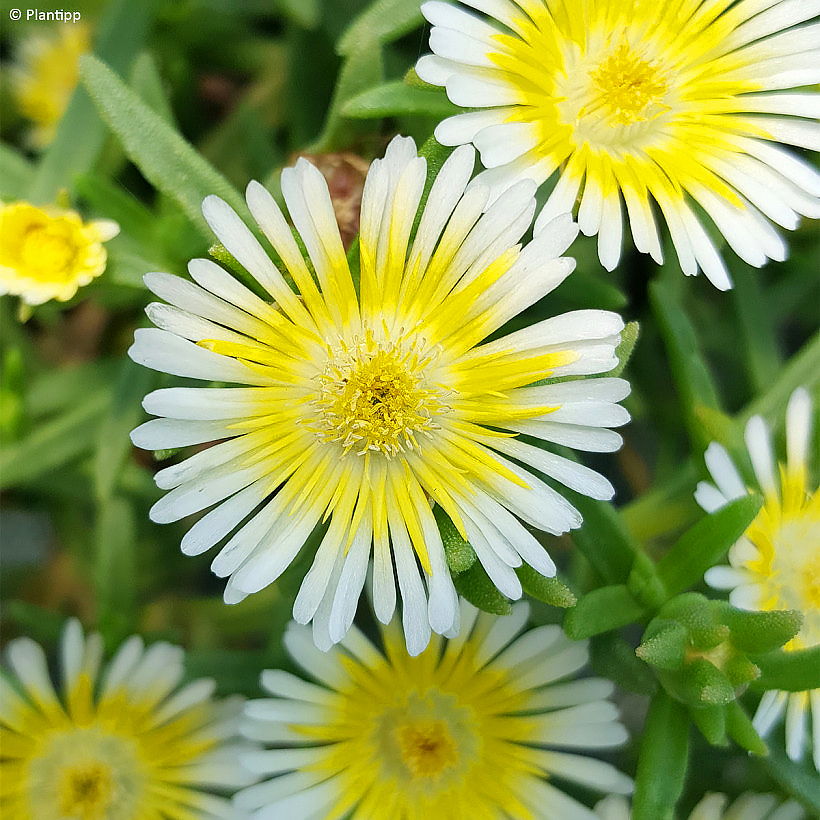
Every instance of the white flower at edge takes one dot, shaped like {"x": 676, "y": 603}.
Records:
{"x": 120, "y": 741}
{"x": 776, "y": 563}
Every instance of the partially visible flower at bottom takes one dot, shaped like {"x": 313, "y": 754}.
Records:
{"x": 467, "y": 729}
{"x": 45, "y": 76}
{"x": 48, "y": 253}
{"x": 776, "y": 562}
{"x": 713, "y": 806}
{"x": 127, "y": 744}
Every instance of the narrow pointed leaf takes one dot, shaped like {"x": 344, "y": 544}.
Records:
{"x": 706, "y": 543}
{"x": 662, "y": 761}
{"x": 166, "y": 160}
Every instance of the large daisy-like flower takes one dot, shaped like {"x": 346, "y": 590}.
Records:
{"x": 127, "y": 744}
{"x": 48, "y": 253}
{"x": 365, "y": 407}
{"x": 776, "y": 563}
{"x": 713, "y": 806}
{"x": 471, "y": 728}
{"x": 637, "y": 101}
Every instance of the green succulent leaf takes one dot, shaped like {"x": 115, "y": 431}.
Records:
{"x": 789, "y": 671}
{"x": 664, "y": 644}
{"x": 459, "y": 553}
{"x": 475, "y": 585}
{"x": 711, "y": 720}
{"x": 549, "y": 590}
{"x": 602, "y": 610}
{"x": 395, "y": 99}
{"x": 706, "y": 543}
{"x": 663, "y": 760}
{"x": 741, "y": 730}
{"x": 164, "y": 157}
{"x": 760, "y": 632}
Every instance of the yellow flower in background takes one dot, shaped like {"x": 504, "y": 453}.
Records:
{"x": 630, "y": 101}
{"x": 47, "y": 253}
{"x": 127, "y": 744}
{"x": 776, "y": 563}
{"x": 361, "y": 409}
{"x": 489, "y": 725}
{"x": 46, "y": 75}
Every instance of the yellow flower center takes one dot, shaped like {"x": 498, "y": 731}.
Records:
{"x": 85, "y": 791}
{"x": 786, "y": 533}
{"x": 47, "y": 253}
{"x": 427, "y": 748}
{"x": 427, "y": 742}
{"x": 86, "y": 774}
{"x": 376, "y": 396}
{"x": 630, "y": 88}
{"x": 612, "y": 99}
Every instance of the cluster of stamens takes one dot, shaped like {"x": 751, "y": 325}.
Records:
{"x": 374, "y": 395}
{"x": 628, "y": 88}
{"x": 426, "y": 747}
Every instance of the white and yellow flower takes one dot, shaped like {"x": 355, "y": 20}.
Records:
{"x": 127, "y": 744}
{"x": 631, "y": 101}
{"x": 713, "y": 806}
{"x": 45, "y": 76}
{"x": 364, "y": 408}
{"x": 481, "y": 726}
{"x": 776, "y": 563}
{"x": 48, "y": 253}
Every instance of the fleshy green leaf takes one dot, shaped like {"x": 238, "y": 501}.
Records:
{"x": 382, "y": 22}
{"x": 602, "y": 610}
{"x": 662, "y": 761}
{"x": 706, "y": 543}
{"x": 790, "y": 671}
{"x": 711, "y": 720}
{"x": 459, "y": 553}
{"x": 603, "y": 538}
{"x": 742, "y": 731}
{"x": 164, "y": 157}
{"x": 549, "y": 590}
{"x": 396, "y": 98}
{"x": 761, "y": 632}
{"x": 664, "y": 644}
{"x": 626, "y": 347}
{"x": 475, "y": 585}
{"x": 692, "y": 378}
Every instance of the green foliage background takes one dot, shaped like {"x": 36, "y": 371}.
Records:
{"x": 197, "y": 97}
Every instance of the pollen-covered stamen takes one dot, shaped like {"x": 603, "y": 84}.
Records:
{"x": 630, "y": 88}
{"x": 86, "y": 791}
{"x": 426, "y": 747}
{"x": 376, "y": 395}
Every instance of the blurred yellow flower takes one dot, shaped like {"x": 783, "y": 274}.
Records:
{"x": 45, "y": 78}
{"x": 47, "y": 253}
